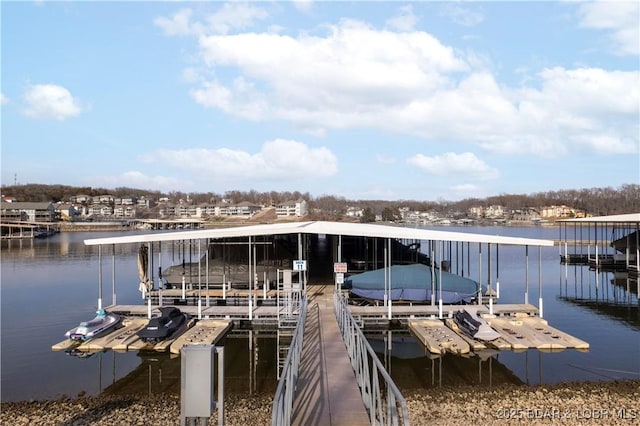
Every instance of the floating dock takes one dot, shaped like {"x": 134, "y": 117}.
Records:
{"x": 204, "y": 332}
{"x": 518, "y": 331}
{"x": 534, "y": 332}
{"x": 125, "y": 338}
{"x": 437, "y": 337}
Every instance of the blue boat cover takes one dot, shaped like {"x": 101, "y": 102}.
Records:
{"x": 413, "y": 283}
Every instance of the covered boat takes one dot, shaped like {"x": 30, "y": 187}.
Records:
{"x": 101, "y": 324}
{"x": 171, "y": 322}
{"x": 413, "y": 283}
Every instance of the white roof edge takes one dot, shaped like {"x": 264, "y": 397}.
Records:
{"x": 328, "y": 228}
{"x": 616, "y": 218}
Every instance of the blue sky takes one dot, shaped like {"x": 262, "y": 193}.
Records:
{"x": 366, "y": 100}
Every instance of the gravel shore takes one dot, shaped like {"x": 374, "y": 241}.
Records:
{"x": 610, "y": 403}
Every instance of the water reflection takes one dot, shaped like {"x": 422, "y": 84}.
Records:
{"x": 48, "y": 286}
{"x": 250, "y": 368}
{"x": 413, "y": 367}
{"x": 610, "y": 293}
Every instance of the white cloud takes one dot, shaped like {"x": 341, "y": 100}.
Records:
{"x": 3, "y": 99}
{"x": 136, "y": 179}
{"x": 50, "y": 101}
{"x": 621, "y": 19}
{"x": 405, "y": 20}
{"x": 461, "y": 15}
{"x": 231, "y": 16}
{"x": 465, "y": 165}
{"x": 278, "y": 159}
{"x": 356, "y": 76}
{"x": 303, "y": 5}
{"x": 351, "y": 77}
{"x": 179, "y": 24}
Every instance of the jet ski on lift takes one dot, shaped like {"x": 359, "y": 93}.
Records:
{"x": 474, "y": 325}
{"x": 171, "y": 322}
{"x": 101, "y": 324}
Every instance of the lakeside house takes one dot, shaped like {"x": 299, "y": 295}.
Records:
{"x": 27, "y": 211}
{"x": 296, "y": 208}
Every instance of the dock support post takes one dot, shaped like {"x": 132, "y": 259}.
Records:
{"x": 113, "y": 274}
{"x": 100, "y": 277}
{"x": 526, "y": 275}
{"x": 224, "y": 287}
{"x": 390, "y": 298}
{"x": 440, "y": 282}
{"x": 540, "y": 279}
{"x": 540, "y": 308}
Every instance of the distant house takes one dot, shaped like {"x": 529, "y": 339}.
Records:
{"x": 493, "y": 212}
{"x": 145, "y": 202}
{"x": 103, "y": 199}
{"x": 124, "y": 211}
{"x": 354, "y": 212}
{"x": 560, "y": 212}
{"x": 81, "y": 198}
{"x": 67, "y": 211}
{"x": 245, "y": 209}
{"x": 167, "y": 210}
{"x": 475, "y": 211}
{"x": 102, "y": 210}
{"x": 297, "y": 208}
{"x": 125, "y": 201}
{"x": 27, "y": 211}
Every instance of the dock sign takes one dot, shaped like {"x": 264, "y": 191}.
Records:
{"x": 299, "y": 265}
{"x": 340, "y": 267}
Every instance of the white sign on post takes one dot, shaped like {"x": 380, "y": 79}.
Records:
{"x": 339, "y": 278}
{"x": 299, "y": 265}
{"x": 339, "y": 267}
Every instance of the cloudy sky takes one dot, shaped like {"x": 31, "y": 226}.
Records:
{"x": 366, "y": 100}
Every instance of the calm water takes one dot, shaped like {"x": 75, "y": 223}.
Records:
{"x": 48, "y": 286}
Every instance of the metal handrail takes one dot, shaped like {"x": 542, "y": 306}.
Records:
{"x": 283, "y": 398}
{"x": 384, "y": 408}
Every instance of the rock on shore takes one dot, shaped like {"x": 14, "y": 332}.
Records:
{"x": 611, "y": 403}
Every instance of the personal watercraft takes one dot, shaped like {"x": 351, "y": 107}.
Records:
{"x": 101, "y": 324}
{"x": 170, "y": 322}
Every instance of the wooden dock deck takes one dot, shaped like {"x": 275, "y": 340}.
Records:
{"x": 327, "y": 391}
{"x": 519, "y": 326}
{"x": 125, "y": 338}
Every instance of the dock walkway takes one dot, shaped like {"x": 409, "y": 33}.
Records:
{"x": 327, "y": 391}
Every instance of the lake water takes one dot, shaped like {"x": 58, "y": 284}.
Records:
{"x": 49, "y": 285}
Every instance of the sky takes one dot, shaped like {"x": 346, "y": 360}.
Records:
{"x": 426, "y": 101}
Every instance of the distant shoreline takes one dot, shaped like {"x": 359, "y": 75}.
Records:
{"x": 108, "y": 226}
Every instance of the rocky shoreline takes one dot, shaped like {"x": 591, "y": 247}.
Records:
{"x": 611, "y": 403}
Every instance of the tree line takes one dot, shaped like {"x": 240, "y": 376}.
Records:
{"x": 596, "y": 201}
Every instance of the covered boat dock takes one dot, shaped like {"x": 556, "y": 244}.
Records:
{"x": 275, "y": 290}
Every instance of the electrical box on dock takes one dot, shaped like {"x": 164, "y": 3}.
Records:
{"x": 197, "y": 381}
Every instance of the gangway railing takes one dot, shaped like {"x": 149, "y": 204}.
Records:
{"x": 283, "y": 398}
{"x": 384, "y": 408}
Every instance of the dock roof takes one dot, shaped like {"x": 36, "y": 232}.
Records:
{"x": 322, "y": 228}
{"x": 616, "y": 218}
